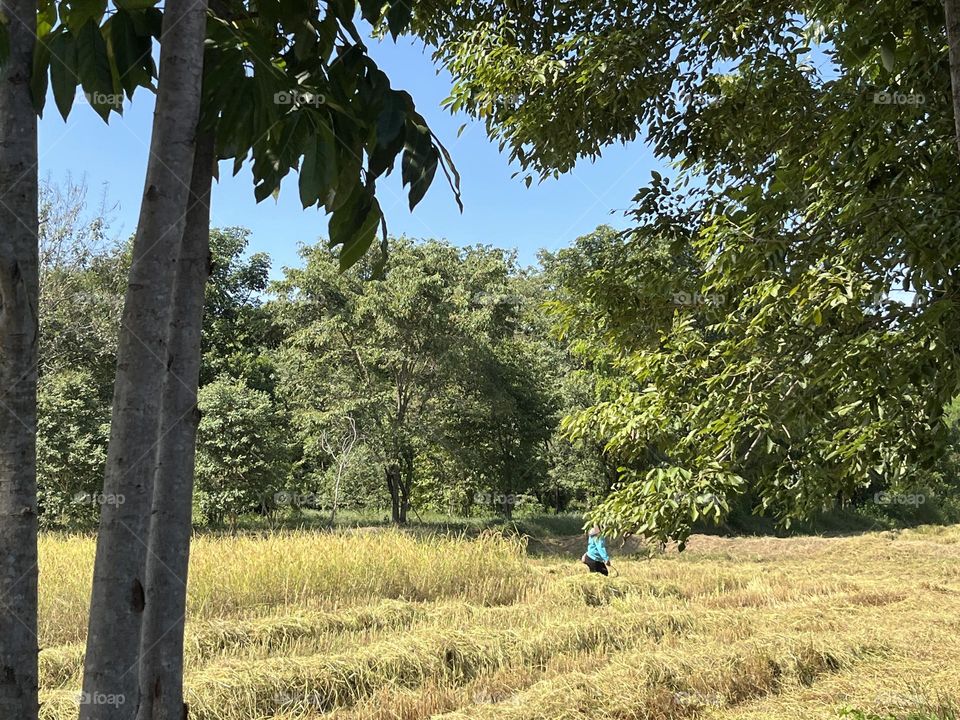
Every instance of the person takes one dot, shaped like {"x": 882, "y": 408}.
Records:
{"x": 596, "y": 558}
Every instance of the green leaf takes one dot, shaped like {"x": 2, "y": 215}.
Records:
{"x": 148, "y": 22}
{"x": 419, "y": 188}
{"x": 363, "y": 238}
{"x": 46, "y": 17}
{"x": 38, "y": 74}
{"x": 392, "y": 117}
{"x": 419, "y": 164}
{"x": 319, "y": 169}
{"x": 264, "y": 190}
{"x": 888, "y": 53}
{"x": 63, "y": 73}
{"x": 93, "y": 68}
{"x": 81, "y": 12}
{"x": 129, "y": 49}
{"x": 398, "y": 17}
{"x": 370, "y": 10}
{"x": 354, "y": 225}
{"x": 390, "y": 135}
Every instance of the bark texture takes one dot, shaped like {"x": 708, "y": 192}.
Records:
{"x": 952, "y": 12}
{"x": 111, "y": 668}
{"x": 19, "y": 291}
{"x": 161, "y": 669}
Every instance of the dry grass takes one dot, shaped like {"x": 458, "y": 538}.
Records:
{"x": 383, "y": 626}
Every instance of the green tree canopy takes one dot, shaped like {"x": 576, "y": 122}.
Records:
{"x": 816, "y": 187}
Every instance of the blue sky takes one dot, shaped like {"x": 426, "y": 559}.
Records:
{"x": 498, "y": 210}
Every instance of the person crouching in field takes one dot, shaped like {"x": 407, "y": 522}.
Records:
{"x": 596, "y": 558}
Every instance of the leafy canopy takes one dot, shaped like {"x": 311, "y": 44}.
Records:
{"x": 813, "y": 351}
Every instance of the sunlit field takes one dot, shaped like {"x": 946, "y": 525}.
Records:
{"x": 382, "y": 625}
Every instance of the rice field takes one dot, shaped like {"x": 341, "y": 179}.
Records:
{"x": 383, "y": 625}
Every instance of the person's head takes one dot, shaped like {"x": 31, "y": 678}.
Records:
{"x": 594, "y": 531}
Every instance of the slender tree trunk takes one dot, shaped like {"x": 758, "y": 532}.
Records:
{"x": 404, "y": 492}
{"x": 19, "y": 293}
{"x": 952, "y": 13}
{"x": 111, "y": 668}
{"x": 161, "y": 644}
{"x": 405, "y": 477}
{"x": 336, "y": 495}
{"x": 393, "y": 485}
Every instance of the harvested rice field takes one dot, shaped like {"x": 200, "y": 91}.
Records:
{"x": 387, "y": 626}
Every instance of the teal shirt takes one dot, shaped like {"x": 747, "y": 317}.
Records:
{"x": 597, "y": 549}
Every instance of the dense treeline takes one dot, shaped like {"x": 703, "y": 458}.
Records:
{"x": 435, "y": 379}
{"x": 430, "y": 383}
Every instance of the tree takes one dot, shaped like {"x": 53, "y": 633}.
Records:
{"x": 503, "y": 404}
{"x": 789, "y": 368}
{"x": 242, "y": 459}
{"x": 118, "y": 598}
{"x": 81, "y": 299}
{"x": 19, "y": 299}
{"x": 81, "y": 286}
{"x": 161, "y": 642}
{"x": 237, "y": 330}
{"x": 339, "y": 448}
{"x": 72, "y": 430}
{"x": 114, "y": 59}
{"x": 438, "y": 362}
{"x": 375, "y": 348}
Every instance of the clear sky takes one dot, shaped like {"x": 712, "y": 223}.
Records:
{"x": 498, "y": 210}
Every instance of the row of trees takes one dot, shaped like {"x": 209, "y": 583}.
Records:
{"x": 434, "y": 385}
{"x": 453, "y": 381}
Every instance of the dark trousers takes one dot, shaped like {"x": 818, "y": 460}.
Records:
{"x": 596, "y": 566}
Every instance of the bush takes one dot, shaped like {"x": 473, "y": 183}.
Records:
{"x": 73, "y": 426}
{"x": 242, "y": 456}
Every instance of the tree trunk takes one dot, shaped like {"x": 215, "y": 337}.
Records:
{"x": 397, "y": 511}
{"x": 19, "y": 293}
{"x": 161, "y": 643}
{"x": 336, "y": 495}
{"x": 406, "y": 484}
{"x": 952, "y": 13}
{"x": 111, "y": 667}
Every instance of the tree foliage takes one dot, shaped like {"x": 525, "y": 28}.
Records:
{"x": 429, "y": 359}
{"x": 242, "y": 450}
{"x": 816, "y": 190}
{"x": 288, "y": 86}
